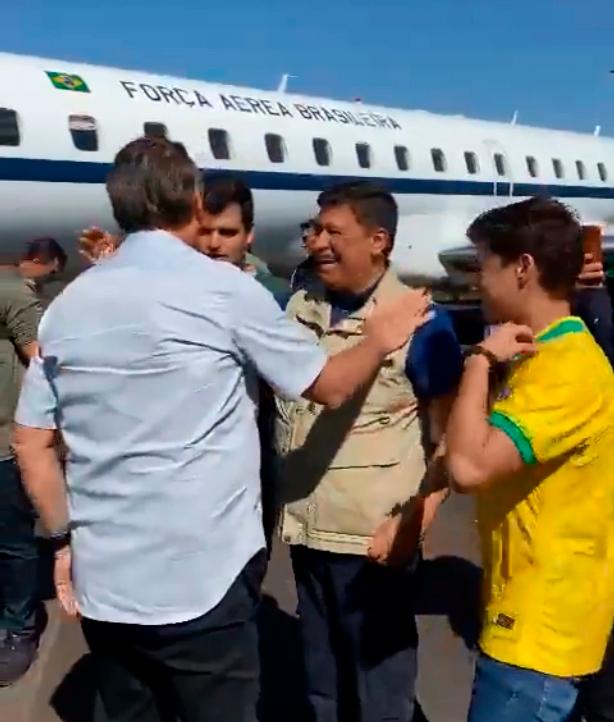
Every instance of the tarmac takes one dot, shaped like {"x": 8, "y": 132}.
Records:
{"x": 60, "y": 687}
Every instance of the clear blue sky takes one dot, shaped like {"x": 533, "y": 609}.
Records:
{"x": 547, "y": 58}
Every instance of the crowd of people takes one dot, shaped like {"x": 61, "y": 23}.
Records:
{"x": 180, "y": 409}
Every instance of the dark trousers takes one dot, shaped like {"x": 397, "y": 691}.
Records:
{"x": 596, "y": 702}
{"x": 18, "y": 553}
{"x": 204, "y": 670}
{"x": 359, "y": 637}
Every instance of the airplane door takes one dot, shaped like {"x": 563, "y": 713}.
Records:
{"x": 503, "y": 184}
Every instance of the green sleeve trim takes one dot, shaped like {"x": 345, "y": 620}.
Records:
{"x": 517, "y": 435}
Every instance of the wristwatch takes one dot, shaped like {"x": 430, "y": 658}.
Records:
{"x": 478, "y": 350}
{"x": 59, "y": 539}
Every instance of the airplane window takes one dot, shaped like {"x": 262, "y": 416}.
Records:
{"x": 439, "y": 160}
{"x": 275, "y": 147}
{"x": 557, "y": 165}
{"x": 472, "y": 162}
{"x": 402, "y": 157}
{"x": 219, "y": 142}
{"x": 363, "y": 153}
{"x": 83, "y": 131}
{"x": 500, "y": 163}
{"x": 532, "y": 166}
{"x": 581, "y": 168}
{"x": 603, "y": 171}
{"x": 9, "y": 128}
{"x": 155, "y": 130}
{"x": 322, "y": 151}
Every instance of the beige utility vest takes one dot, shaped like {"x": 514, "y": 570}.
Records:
{"x": 342, "y": 471}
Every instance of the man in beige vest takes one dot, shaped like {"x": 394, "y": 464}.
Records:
{"x": 353, "y": 481}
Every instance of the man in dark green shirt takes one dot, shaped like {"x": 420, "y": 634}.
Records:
{"x": 20, "y": 312}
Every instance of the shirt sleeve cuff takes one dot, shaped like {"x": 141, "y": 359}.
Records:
{"x": 517, "y": 435}
{"x": 33, "y": 421}
{"x": 37, "y": 402}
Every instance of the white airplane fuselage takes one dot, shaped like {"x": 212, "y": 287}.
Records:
{"x": 48, "y": 186}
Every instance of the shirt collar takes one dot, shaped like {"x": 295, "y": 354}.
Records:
{"x": 561, "y": 327}
{"x": 155, "y": 237}
{"x": 351, "y": 302}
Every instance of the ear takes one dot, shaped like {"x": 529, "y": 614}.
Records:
{"x": 525, "y": 269}
{"x": 250, "y": 238}
{"x": 381, "y": 242}
{"x": 198, "y": 208}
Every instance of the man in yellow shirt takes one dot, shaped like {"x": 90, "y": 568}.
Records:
{"x": 532, "y": 435}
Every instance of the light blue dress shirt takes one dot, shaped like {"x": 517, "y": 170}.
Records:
{"x": 149, "y": 369}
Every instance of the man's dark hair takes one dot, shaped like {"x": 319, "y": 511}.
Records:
{"x": 373, "y": 206}
{"x": 223, "y": 190}
{"x": 45, "y": 250}
{"x": 152, "y": 185}
{"x": 543, "y": 228}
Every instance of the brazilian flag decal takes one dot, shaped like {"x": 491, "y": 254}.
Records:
{"x": 64, "y": 81}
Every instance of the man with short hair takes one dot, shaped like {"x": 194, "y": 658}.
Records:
{"x": 148, "y": 368}
{"x": 20, "y": 311}
{"x": 42, "y": 259}
{"x": 536, "y": 446}
{"x": 357, "y": 494}
{"x": 227, "y": 232}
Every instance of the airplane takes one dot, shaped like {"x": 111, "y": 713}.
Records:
{"x": 62, "y": 122}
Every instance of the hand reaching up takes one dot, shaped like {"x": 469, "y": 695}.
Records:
{"x": 96, "y": 244}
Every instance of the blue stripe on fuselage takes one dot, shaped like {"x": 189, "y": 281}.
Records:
{"x": 70, "y": 171}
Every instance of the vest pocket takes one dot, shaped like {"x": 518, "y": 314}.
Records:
{"x": 360, "y": 451}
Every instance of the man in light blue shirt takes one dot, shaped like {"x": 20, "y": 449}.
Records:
{"x": 148, "y": 368}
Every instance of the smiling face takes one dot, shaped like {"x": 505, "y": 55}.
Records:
{"x": 348, "y": 256}
{"x": 223, "y": 236}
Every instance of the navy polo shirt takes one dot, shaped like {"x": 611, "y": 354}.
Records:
{"x": 434, "y": 363}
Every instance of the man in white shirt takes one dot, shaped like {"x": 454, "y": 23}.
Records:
{"x": 148, "y": 368}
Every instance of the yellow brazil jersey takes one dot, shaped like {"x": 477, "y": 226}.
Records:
{"x": 548, "y": 531}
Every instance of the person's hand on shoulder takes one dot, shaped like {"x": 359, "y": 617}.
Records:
{"x": 96, "y": 244}
{"x": 390, "y": 324}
